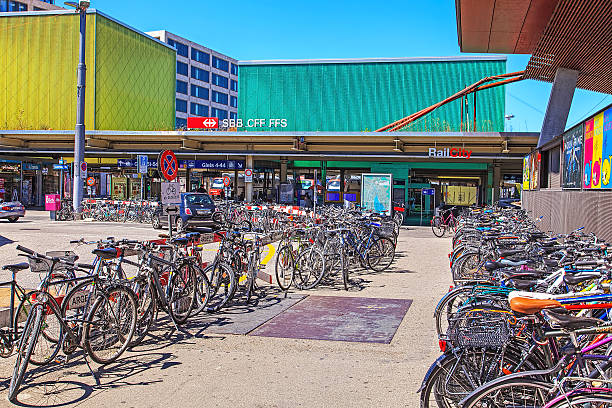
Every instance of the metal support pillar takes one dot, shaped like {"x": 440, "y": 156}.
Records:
{"x": 559, "y": 104}
{"x": 248, "y": 187}
{"x": 283, "y": 170}
{"x": 496, "y": 181}
{"x": 79, "y": 136}
{"x": 188, "y": 180}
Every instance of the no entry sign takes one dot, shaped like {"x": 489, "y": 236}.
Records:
{"x": 168, "y": 165}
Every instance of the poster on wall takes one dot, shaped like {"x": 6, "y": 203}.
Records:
{"x": 526, "y": 172}
{"x": 606, "y": 163}
{"x": 588, "y": 153}
{"x": 597, "y": 150}
{"x": 534, "y": 170}
{"x": 572, "y": 157}
{"x": 376, "y": 192}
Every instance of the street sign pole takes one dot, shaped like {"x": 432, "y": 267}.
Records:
{"x": 421, "y": 222}
{"x": 79, "y": 135}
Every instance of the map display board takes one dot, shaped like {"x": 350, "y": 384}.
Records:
{"x": 376, "y": 192}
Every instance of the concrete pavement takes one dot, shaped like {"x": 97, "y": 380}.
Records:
{"x": 199, "y": 368}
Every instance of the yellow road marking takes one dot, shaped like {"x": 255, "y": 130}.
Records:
{"x": 271, "y": 252}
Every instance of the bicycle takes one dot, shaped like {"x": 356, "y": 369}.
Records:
{"x": 440, "y": 223}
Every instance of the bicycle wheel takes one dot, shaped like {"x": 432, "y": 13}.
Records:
{"x": 110, "y": 325}
{"x": 26, "y": 346}
{"x": 438, "y": 227}
{"x": 514, "y": 392}
{"x": 380, "y": 255}
{"x": 584, "y": 399}
{"x": 222, "y": 285}
{"x": 182, "y": 293}
{"x": 284, "y": 267}
{"x": 309, "y": 269}
{"x": 202, "y": 290}
{"x": 147, "y": 309}
{"x": 345, "y": 269}
{"x": 48, "y": 344}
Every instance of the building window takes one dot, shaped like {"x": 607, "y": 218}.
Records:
{"x": 12, "y": 6}
{"x": 218, "y": 113}
{"x": 200, "y": 56}
{"x": 199, "y": 74}
{"x": 181, "y": 123}
{"x": 198, "y": 109}
{"x": 234, "y": 85}
{"x": 199, "y": 92}
{"x": 181, "y": 87}
{"x": 233, "y": 101}
{"x": 48, "y": 1}
{"x": 219, "y": 80}
{"x": 218, "y": 63}
{"x": 219, "y": 97}
{"x": 234, "y": 69}
{"x": 182, "y": 68}
{"x": 181, "y": 105}
{"x": 181, "y": 49}
{"x": 233, "y": 115}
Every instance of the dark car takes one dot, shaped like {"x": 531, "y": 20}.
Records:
{"x": 509, "y": 203}
{"x": 195, "y": 210}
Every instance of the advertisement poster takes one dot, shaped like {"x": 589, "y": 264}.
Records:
{"x": 572, "y": 157}
{"x": 597, "y": 150}
{"x": 119, "y": 188}
{"x": 588, "y": 153}
{"x": 526, "y": 172}
{"x": 606, "y": 163}
{"x": 534, "y": 170}
{"x": 376, "y": 192}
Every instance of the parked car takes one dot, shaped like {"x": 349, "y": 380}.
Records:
{"x": 216, "y": 188}
{"x": 195, "y": 210}
{"x": 509, "y": 202}
{"x": 11, "y": 210}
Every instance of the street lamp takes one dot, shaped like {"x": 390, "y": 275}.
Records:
{"x": 79, "y": 135}
{"x": 509, "y": 118}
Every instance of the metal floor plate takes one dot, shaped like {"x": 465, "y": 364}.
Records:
{"x": 241, "y": 319}
{"x": 355, "y": 319}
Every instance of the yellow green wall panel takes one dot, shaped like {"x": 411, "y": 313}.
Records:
{"x": 130, "y": 77}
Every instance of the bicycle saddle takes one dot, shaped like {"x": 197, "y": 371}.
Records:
{"x": 521, "y": 284}
{"x": 527, "y": 305}
{"x": 180, "y": 241}
{"x": 106, "y": 253}
{"x": 509, "y": 252}
{"x": 16, "y": 267}
{"x": 193, "y": 235}
{"x": 580, "y": 277}
{"x": 560, "y": 317}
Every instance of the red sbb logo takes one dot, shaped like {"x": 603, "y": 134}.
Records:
{"x": 202, "y": 123}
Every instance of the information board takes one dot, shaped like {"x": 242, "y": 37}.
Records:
{"x": 376, "y": 192}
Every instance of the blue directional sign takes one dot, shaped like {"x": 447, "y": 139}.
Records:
{"x": 64, "y": 167}
{"x": 212, "y": 164}
{"x": 428, "y": 191}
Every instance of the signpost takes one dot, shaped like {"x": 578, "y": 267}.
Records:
{"x": 84, "y": 170}
{"x": 424, "y": 192}
{"x": 170, "y": 197}
{"x": 248, "y": 175}
{"x": 168, "y": 165}
{"x": 143, "y": 168}
{"x": 227, "y": 181}
{"x": 91, "y": 181}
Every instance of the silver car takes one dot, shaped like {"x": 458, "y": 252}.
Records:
{"x": 11, "y": 210}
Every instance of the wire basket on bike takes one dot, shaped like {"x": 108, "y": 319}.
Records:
{"x": 43, "y": 265}
{"x": 480, "y": 328}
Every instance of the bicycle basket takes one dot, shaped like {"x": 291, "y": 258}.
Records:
{"x": 386, "y": 230}
{"x": 43, "y": 265}
{"x": 480, "y": 328}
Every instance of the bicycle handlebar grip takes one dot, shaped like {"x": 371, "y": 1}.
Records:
{"x": 26, "y": 250}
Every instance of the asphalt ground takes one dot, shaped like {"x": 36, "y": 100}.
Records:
{"x": 204, "y": 365}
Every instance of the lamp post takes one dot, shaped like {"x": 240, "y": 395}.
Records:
{"x": 79, "y": 135}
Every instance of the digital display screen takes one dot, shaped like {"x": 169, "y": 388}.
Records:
{"x": 333, "y": 197}
{"x": 352, "y": 197}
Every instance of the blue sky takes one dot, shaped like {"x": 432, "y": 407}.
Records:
{"x": 273, "y": 29}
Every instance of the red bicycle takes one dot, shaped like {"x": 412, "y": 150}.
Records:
{"x": 443, "y": 222}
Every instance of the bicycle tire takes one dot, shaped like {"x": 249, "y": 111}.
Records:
{"x": 222, "y": 284}
{"x": 51, "y": 336}
{"x": 309, "y": 264}
{"x": 283, "y": 267}
{"x": 182, "y": 293}
{"x": 345, "y": 270}
{"x": 103, "y": 316}
{"x": 584, "y": 398}
{"x": 381, "y": 254}
{"x": 146, "y": 312}
{"x": 27, "y": 342}
{"x": 509, "y": 390}
{"x": 202, "y": 290}
{"x": 438, "y": 227}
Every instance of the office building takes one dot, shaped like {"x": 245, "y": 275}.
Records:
{"x": 28, "y": 5}
{"x": 206, "y": 80}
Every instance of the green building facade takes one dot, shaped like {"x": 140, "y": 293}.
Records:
{"x": 130, "y": 76}
{"x": 366, "y": 94}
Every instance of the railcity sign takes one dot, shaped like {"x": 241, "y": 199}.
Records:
{"x": 448, "y": 152}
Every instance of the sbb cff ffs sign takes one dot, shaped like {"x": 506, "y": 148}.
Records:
{"x": 202, "y": 123}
